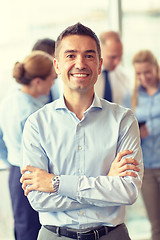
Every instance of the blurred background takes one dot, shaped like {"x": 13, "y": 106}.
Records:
{"x": 23, "y": 22}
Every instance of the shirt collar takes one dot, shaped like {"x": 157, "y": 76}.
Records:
{"x": 60, "y": 103}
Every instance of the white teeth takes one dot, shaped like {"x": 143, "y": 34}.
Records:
{"x": 79, "y": 75}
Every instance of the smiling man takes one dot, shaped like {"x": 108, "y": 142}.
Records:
{"x": 77, "y": 149}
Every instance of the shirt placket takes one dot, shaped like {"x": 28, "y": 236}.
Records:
{"x": 80, "y": 161}
{"x": 80, "y": 149}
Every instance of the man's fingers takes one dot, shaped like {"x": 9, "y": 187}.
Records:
{"x": 128, "y": 161}
{"x": 27, "y": 168}
{"x": 25, "y": 177}
{"x": 128, "y": 173}
{"x": 28, "y": 189}
{"x": 122, "y": 154}
{"x": 124, "y": 166}
{"x": 26, "y": 183}
{"x": 128, "y": 167}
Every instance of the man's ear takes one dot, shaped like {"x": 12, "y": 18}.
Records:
{"x": 100, "y": 66}
{"x": 56, "y": 66}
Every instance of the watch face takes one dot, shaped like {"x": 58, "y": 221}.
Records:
{"x": 55, "y": 181}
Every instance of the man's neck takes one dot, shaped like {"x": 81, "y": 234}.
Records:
{"x": 78, "y": 103}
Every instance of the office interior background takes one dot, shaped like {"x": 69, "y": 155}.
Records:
{"x": 23, "y": 22}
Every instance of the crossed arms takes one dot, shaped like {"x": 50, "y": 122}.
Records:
{"x": 114, "y": 182}
{"x": 40, "y": 180}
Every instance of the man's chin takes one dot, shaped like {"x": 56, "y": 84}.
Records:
{"x": 112, "y": 68}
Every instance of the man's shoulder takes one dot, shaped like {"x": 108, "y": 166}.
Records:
{"x": 121, "y": 77}
{"x": 116, "y": 112}
{"x": 114, "y": 107}
{"x": 119, "y": 71}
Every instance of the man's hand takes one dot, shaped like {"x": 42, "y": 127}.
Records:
{"x": 122, "y": 168}
{"x": 144, "y": 131}
{"x": 37, "y": 179}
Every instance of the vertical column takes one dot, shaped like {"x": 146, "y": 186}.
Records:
{"x": 115, "y": 15}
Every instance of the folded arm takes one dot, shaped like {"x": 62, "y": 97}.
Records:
{"x": 39, "y": 180}
{"x": 111, "y": 190}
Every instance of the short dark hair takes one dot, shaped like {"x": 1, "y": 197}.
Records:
{"x": 77, "y": 29}
{"x": 46, "y": 45}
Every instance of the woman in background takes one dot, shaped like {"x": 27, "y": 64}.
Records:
{"x": 146, "y": 105}
{"x": 36, "y": 75}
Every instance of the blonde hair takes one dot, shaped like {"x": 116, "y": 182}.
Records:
{"x": 141, "y": 57}
{"x": 37, "y": 64}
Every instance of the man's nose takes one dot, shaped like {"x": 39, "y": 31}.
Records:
{"x": 143, "y": 77}
{"x": 80, "y": 62}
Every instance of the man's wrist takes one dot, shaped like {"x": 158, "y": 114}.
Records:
{"x": 55, "y": 182}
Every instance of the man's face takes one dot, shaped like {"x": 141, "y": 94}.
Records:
{"x": 112, "y": 54}
{"x": 78, "y": 62}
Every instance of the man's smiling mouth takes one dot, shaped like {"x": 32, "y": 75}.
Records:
{"x": 79, "y": 74}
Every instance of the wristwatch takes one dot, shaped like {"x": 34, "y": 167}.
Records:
{"x": 55, "y": 182}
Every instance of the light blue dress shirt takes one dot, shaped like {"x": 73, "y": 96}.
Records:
{"x": 81, "y": 151}
{"x": 14, "y": 110}
{"x": 148, "y": 109}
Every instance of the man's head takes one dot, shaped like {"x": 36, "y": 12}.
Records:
{"x": 45, "y": 45}
{"x": 77, "y": 29}
{"x": 112, "y": 49}
{"x": 78, "y": 58}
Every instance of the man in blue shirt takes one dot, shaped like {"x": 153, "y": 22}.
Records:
{"x": 79, "y": 144}
{"x": 48, "y": 45}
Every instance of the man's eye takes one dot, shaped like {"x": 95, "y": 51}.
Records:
{"x": 147, "y": 72}
{"x": 70, "y": 56}
{"x": 89, "y": 56}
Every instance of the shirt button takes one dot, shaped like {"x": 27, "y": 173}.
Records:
{"x": 81, "y": 212}
{"x": 80, "y": 124}
{"x": 79, "y": 147}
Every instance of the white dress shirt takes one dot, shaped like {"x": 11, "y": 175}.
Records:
{"x": 119, "y": 82}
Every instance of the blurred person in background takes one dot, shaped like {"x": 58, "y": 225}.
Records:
{"x": 113, "y": 84}
{"x": 146, "y": 105}
{"x": 36, "y": 76}
{"x": 48, "y": 45}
